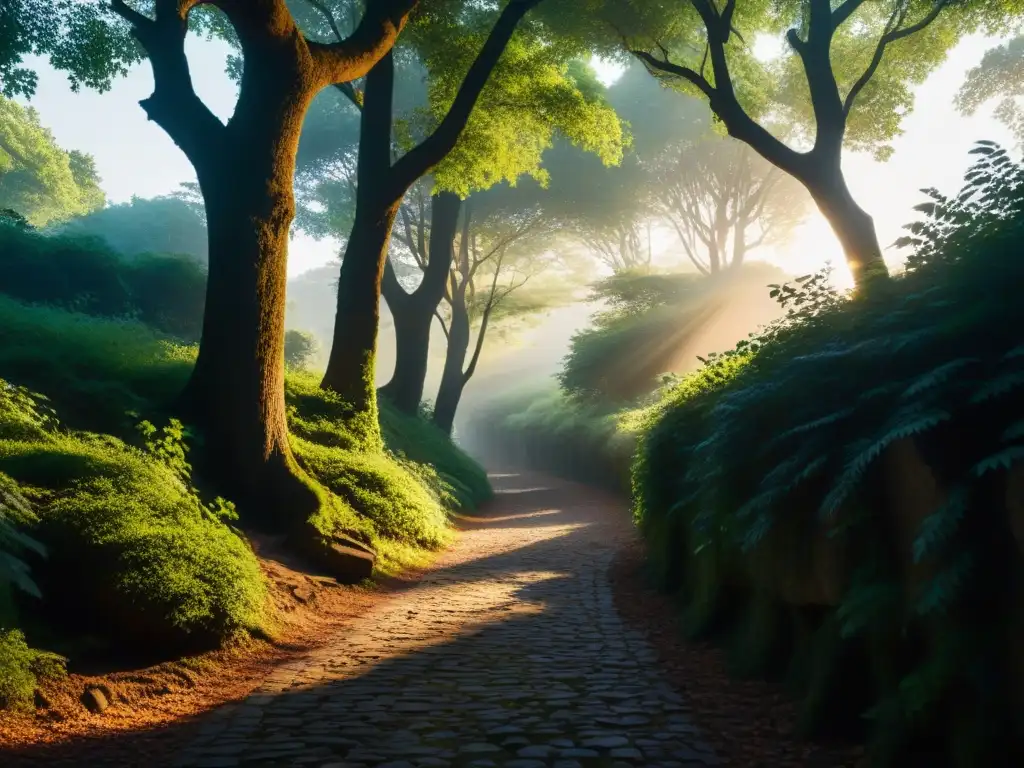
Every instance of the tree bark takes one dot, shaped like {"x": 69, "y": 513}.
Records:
{"x": 414, "y": 312}
{"x": 453, "y": 380}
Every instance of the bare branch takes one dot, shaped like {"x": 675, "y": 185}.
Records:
{"x": 664, "y": 65}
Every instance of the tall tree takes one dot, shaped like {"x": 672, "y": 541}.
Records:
{"x": 245, "y": 172}
{"x": 491, "y": 104}
{"x": 998, "y": 78}
{"x": 723, "y": 200}
{"x": 381, "y": 186}
{"x": 847, "y": 80}
{"x": 38, "y": 179}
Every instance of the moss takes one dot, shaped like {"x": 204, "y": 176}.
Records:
{"x": 21, "y": 668}
{"x": 132, "y": 553}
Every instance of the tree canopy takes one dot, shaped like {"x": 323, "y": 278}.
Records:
{"x": 998, "y": 79}
{"x": 38, "y": 179}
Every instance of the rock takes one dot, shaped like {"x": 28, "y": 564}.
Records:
{"x": 95, "y": 700}
{"x": 348, "y": 560}
{"x": 303, "y": 593}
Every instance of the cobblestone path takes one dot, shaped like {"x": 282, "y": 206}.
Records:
{"x": 508, "y": 653}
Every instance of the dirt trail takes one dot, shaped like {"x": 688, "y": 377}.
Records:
{"x": 509, "y": 652}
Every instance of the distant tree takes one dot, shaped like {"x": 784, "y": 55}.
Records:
{"x": 469, "y": 101}
{"x": 300, "y": 347}
{"x": 165, "y": 224}
{"x": 998, "y": 78}
{"x": 847, "y": 80}
{"x": 723, "y": 200}
{"x": 41, "y": 181}
{"x": 608, "y": 209}
{"x": 497, "y": 250}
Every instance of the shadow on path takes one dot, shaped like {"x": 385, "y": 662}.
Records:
{"x": 508, "y": 653}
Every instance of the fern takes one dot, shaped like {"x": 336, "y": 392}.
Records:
{"x": 938, "y": 375}
{"x": 1004, "y": 459}
{"x": 998, "y": 386}
{"x": 939, "y": 527}
{"x": 946, "y": 585}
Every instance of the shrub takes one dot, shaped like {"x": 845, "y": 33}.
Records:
{"x": 96, "y": 370}
{"x": 84, "y": 274}
{"x": 300, "y": 348}
{"x": 757, "y": 461}
{"x": 134, "y": 556}
{"x": 21, "y": 667}
{"x": 651, "y": 322}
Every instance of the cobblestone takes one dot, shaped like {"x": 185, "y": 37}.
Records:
{"x": 508, "y": 653}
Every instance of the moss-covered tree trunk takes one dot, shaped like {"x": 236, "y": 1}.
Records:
{"x": 245, "y": 170}
{"x": 414, "y": 312}
{"x": 236, "y": 392}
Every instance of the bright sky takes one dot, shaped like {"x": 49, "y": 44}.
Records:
{"x": 135, "y": 157}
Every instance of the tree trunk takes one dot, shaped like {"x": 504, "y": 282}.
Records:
{"x": 854, "y": 228}
{"x": 414, "y": 313}
{"x": 453, "y": 380}
{"x": 351, "y": 365}
{"x": 236, "y": 391}
{"x": 413, "y": 319}
{"x": 350, "y": 368}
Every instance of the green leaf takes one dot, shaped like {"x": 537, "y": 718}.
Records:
{"x": 1004, "y": 459}
{"x": 939, "y": 527}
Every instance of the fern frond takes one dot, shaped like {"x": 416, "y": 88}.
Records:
{"x": 1004, "y": 459}
{"x": 1013, "y": 432}
{"x": 946, "y": 585}
{"x": 940, "y": 526}
{"x": 998, "y": 386}
{"x": 938, "y": 375}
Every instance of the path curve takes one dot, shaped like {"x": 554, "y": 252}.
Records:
{"x": 508, "y": 653}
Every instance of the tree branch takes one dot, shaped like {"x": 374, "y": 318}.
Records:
{"x": 355, "y": 55}
{"x": 891, "y": 35}
{"x": 668, "y": 67}
{"x": 174, "y": 105}
{"x": 429, "y": 152}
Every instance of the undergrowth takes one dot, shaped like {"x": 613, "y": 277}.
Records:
{"x": 104, "y": 541}
{"x": 837, "y": 499}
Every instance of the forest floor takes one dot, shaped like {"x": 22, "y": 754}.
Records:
{"x": 533, "y": 641}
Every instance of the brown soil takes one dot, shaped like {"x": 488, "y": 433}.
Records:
{"x": 144, "y": 702}
{"x": 750, "y": 723}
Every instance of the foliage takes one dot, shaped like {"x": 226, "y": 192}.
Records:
{"x": 166, "y": 292}
{"x": 999, "y": 78}
{"x": 77, "y": 36}
{"x": 38, "y": 179}
{"x": 300, "y": 348}
{"x": 913, "y": 41}
{"x": 20, "y": 667}
{"x": 934, "y": 359}
{"x": 167, "y": 224}
{"x": 134, "y": 556}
